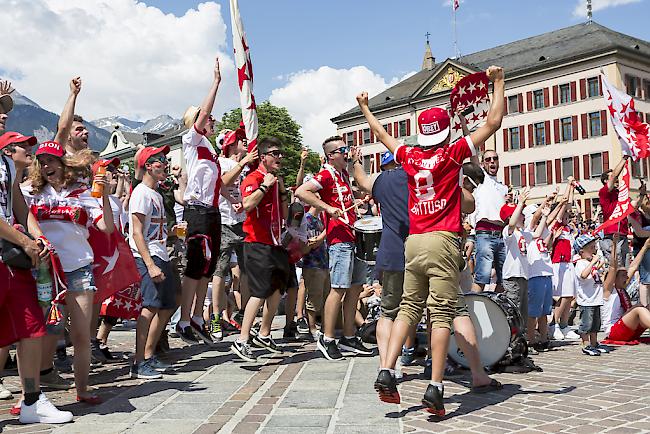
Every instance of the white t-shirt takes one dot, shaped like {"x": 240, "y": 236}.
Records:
{"x": 228, "y": 215}
{"x": 539, "y": 257}
{"x": 516, "y": 262}
{"x": 203, "y": 171}
{"x": 118, "y": 212}
{"x": 149, "y": 203}
{"x": 589, "y": 291}
{"x": 611, "y": 311}
{"x": 64, "y": 218}
{"x": 489, "y": 196}
{"x": 7, "y": 171}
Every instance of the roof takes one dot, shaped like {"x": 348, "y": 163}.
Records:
{"x": 135, "y": 138}
{"x": 556, "y": 47}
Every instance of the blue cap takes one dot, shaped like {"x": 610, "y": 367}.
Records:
{"x": 582, "y": 241}
{"x": 386, "y": 158}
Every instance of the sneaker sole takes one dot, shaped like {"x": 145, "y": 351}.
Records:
{"x": 431, "y": 408}
{"x": 217, "y": 338}
{"x": 264, "y": 347}
{"x": 385, "y": 395}
{"x": 348, "y": 349}
{"x": 145, "y": 377}
{"x": 51, "y": 420}
{"x": 241, "y": 356}
{"x": 323, "y": 351}
{"x": 189, "y": 341}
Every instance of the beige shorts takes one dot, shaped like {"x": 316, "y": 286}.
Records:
{"x": 317, "y": 286}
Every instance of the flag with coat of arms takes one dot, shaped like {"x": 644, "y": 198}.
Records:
{"x": 470, "y": 98}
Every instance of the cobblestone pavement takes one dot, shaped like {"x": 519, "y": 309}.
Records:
{"x": 210, "y": 391}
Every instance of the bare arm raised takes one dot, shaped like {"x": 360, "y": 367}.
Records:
{"x": 208, "y": 102}
{"x": 65, "y": 121}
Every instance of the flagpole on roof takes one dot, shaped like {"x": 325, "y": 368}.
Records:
{"x": 454, "y": 6}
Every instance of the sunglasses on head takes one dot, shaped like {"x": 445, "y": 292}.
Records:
{"x": 275, "y": 153}
{"x": 488, "y": 159}
{"x": 341, "y": 150}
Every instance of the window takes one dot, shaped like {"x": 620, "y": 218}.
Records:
{"x": 594, "y": 124}
{"x": 596, "y": 162}
{"x": 647, "y": 89}
{"x": 514, "y": 138}
{"x": 538, "y": 99}
{"x": 593, "y": 87}
{"x": 366, "y": 135}
{"x": 350, "y": 139}
{"x": 402, "y": 128}
{"x": 366, "y": 163}
{"x": 637, "y": 169}
{"x": 513, "y": 104}
{"x": 566, "y": 129}
{"x": 540, "y": 173}
{"x": 115, "y": 141}
{"x": 565, "y": 93}
{"x": 631, "y": 85}
{"x": 567, "y": 167}
{"x": 515, "y": 176}
{"x": 540, "y": 134}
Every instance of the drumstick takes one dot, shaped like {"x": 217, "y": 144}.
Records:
{"x": 356, "y": 205}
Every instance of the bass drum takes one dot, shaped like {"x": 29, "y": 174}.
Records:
{"x": 498, "y": 326}
{"x": 368, "y": 237}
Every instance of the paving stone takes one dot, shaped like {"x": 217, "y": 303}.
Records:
{"x": 310, "y": 399}
{"x": 307, "y": 421}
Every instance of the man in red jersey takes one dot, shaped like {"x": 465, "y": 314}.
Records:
{"x": 433, "y": 256}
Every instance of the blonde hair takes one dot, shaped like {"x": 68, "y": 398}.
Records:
{"x": 75, "y": 167}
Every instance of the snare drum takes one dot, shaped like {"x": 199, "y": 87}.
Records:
{"x": 368, "y": 235}
{"x": 498, "y": 326}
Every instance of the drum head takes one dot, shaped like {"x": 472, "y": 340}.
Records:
{"x": 492, "y": 331}
{"x": 369, "y": 224}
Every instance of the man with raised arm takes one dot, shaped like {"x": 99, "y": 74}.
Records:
{"x": 608, "y": 198}
{"x": 433, "y": 256}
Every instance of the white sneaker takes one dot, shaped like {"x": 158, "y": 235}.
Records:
{"x": 43, "y": 411}
{"x": 4, "y": 392}
{"x": 570, "y": 334}
{"x": 557, "y": 334}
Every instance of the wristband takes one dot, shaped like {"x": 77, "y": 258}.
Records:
{"x": 263, "y": 188}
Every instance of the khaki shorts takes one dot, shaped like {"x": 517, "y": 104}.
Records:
{"x": 431, "y": 278}
{"x": 317, "y": 286}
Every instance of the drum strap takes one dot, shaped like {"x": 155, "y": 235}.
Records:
{"x": 333, "y": 172}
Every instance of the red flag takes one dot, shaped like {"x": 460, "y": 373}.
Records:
{"x": 244, "y": 74}
{"x": 632, "y": 132}
{"x": 469, "y": 97}
{"x": 125, "y": 304}
{"x": 114, "y": 267}
{"x": 456, "y": 4}
{"x": 624, "y": 206}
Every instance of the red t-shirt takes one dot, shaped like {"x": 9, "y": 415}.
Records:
{"x": 262, "y": 224}
{"x": 608, "y": 200}
{"x": 563, "y": 247}
{"x": 434, "y": 185}
{"x": 338, "y": 193}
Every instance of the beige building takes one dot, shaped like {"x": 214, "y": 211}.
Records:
{"x": 556, "y": 123}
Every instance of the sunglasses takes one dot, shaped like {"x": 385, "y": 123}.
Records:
{"x": 341, "y": 150}
{"x": 488, "y": 159}
{"x": 111, "y": 168}
{"x": 159, "y": 159}
{"x": 275, "y": 153}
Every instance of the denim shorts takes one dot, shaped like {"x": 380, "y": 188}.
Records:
{"x": 589, "y": 319}
{"x": 346, "y": 270}
{"x": 644, "y": 267}
{"x": 158, "y": 295}
{"x": 540, "y": 296}
{"x": 490, "y": 253}
{"x": 81, "y": 280}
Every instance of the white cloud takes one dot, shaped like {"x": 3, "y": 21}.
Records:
{"x": 134, "y": 60}
{"x": 312, "y": 97}
{"x": 581, "y": 7}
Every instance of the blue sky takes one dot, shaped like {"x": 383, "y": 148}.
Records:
{"x": 388, "y": 36}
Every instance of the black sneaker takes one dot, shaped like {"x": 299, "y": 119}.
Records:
{"x": 290, "y": 332}
{"x": 433, "y": 402}
{"x": 106, "y": 352}
{"x": 187, "y": 334}
{"x": 386, "y": 387}
{"x": 243, "y": 351}
{"x": 202, "y": 332}
{"x": 96, "y": 353}
{"x": 542, "y": 347}
{"x": 302, "y": 325}
{"x": 590, "y": 351}
{"x": 330, "y": 350}
{"x": 355, "y": 346}
{"x": 267, "y": 343}
{"x": 227, "y": 327}
{"x": 238, "y": 319}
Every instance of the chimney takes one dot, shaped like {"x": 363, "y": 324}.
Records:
{"x": 429, "y": 61}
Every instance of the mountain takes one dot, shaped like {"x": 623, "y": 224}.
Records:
{"x": 29, "y": 118}
{"x": 156, "y": 125}
{"x": 125, "y": 124}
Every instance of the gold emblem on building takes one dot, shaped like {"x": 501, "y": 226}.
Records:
{"x": 447, "y": 81}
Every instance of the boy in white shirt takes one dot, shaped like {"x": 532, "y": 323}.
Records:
{"x": 148, "y": 241}
{"x": 589, "y": 294}
{"x": 515, "y": 266}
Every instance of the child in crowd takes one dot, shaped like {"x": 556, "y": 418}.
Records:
{"x": 589, "y": 294}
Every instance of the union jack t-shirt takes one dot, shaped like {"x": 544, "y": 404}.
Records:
{"x": 149, "y": 203}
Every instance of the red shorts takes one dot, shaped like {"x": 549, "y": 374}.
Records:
{"x": 21, "y": 316}
{"x": 621, "y": 332}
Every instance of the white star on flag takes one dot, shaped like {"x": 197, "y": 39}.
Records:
{"x": 472, "y": 87}
{"x": 128, "y": 305}
{"x": 111, "y": 261}
{"x": 117, "y": 302}
{"x": 461, "y": 91}
{"x": 481, "y": 85}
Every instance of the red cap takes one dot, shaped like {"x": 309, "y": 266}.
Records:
{"x": 506, "y": 212}
{"x": 105, "y": 163}
{"x": 231, "y": 138}
{"x": 149, "y": 152}
{"x": 50, "y": 148}
{"x": 13, "y": 137}
{"x": 433, "y": 127}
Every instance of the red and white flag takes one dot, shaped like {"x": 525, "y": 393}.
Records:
{"x": 456, "y": 4}
{"x": 114, "y": 267}
{"x": 632, "y": 131}
{"x": 244, "y": 75}
{"x": 125, "y": 304}
{"x": 624, "y": 206}
{"x": 470, "y": 98}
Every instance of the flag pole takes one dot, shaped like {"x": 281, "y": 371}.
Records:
{"x": 453, "y": 12}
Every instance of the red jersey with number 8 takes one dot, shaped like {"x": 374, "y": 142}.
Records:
{"x": 434, "y": 185}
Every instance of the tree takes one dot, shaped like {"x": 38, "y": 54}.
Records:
{"x": 277, "y": 122}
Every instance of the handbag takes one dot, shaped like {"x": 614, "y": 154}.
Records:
{"x": 12, "y": 254}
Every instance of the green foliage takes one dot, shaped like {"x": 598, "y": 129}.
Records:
{"x": 277, "y": 122}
